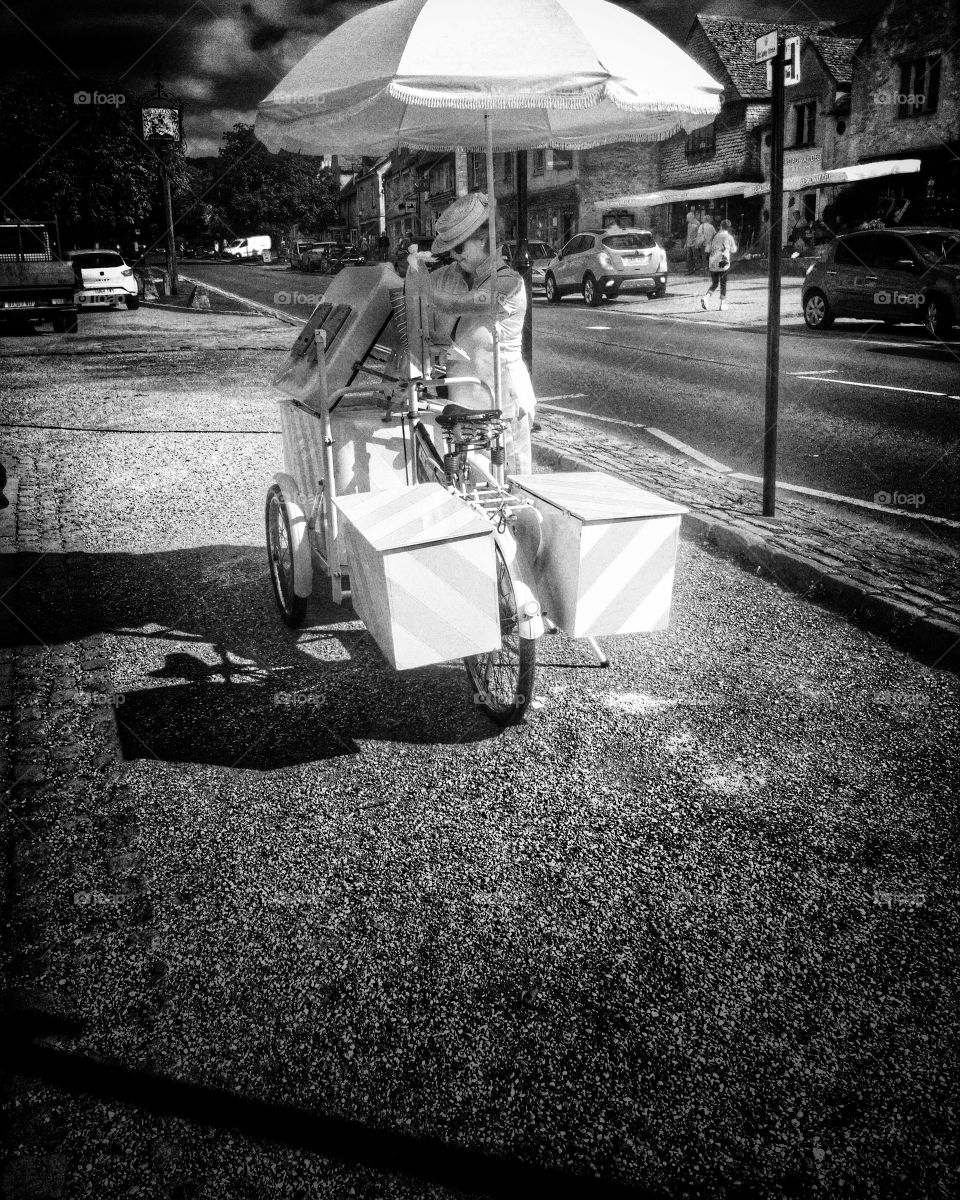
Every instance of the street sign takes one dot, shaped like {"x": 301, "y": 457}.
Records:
{"x": 791, "y": 54}
{"x": 766, "y": 46}
{"x": 791, "y": 65}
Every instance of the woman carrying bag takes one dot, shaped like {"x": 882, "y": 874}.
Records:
{"x": 722, "y": 249}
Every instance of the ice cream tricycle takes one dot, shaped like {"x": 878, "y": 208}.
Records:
{"x": 399, "y": 495}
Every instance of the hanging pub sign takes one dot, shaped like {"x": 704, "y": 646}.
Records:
{"x": 161, "y": 122}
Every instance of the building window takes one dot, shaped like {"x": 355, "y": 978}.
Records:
{"x": 441, "y": 177}
{"x": 805, "y": 123}
{"x": 701, "y": 141}
{"x": 919, "y": 86}
{"x": 508, "y": 167}
{"x": 539, "y": 162}
{"x": 563, "y": 160}
{"x": 476, "y": 172}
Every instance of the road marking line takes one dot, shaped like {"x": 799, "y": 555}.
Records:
{"x": 878, "y": 387}
{"x": 720, "y": 469}
{"x": 825, "y": 371}
{"x": 690, "y": 451}
{"x": 570, "y": 396}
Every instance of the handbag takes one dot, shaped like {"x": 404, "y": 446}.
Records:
{"x": 723, "y": 263}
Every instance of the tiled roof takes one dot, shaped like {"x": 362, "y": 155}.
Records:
{"x": 735, "y": 41}
{"x": 837, "y": 54}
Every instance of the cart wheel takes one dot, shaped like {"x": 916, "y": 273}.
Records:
{"x": 292, "y": 607}
{"x": 502, "y": 680}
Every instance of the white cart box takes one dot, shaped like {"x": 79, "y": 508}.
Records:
{"x": 422, "y": 574}
{"x": 608, "y": 553}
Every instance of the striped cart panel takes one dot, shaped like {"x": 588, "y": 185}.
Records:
{"x": 423, "y": 575}
{"x": 608, "y": 552}
{"x": 302, "y": 448}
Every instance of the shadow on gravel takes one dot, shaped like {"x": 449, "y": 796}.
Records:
{"x": 426, "y": 1159}
{"x": 234, "y": 687}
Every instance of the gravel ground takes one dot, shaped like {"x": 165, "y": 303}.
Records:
{"x": 692, "y": 928}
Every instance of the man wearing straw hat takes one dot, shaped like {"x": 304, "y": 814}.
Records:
{"x": 461, "y": 292}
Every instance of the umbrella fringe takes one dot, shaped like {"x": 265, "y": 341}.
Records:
{"x": 556, "y": 143}
{"x": 489, "y": 102}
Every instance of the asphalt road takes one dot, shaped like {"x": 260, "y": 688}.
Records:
{"x": 862, "y": 413}
{"x": 692, "y": 927}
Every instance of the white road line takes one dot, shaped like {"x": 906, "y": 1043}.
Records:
{"x": 704, "y": 459}
{"x": 720, "y": 469}
{"x": 877, "y": 387}
{"x": 570, "y": 396}
{"x": 825, "y": 371}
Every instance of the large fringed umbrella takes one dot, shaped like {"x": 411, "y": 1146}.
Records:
{"x": 501, "y": 75}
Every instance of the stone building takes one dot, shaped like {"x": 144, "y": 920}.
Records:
{"x": 905, "y": 103}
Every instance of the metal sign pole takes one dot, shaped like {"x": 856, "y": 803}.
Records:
{"x": 773, "y": 305}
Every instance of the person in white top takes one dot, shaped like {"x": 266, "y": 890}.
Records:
{"x": 722, "y": 249}
{"x": 706, "y": 232}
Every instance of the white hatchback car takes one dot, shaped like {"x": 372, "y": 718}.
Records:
{"x": 106, "y": 279}
{"x": 598, "y": 263}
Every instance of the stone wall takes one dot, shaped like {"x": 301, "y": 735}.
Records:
{"x": 905, "y": 30}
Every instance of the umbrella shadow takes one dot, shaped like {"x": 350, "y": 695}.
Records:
{"x": 215, "y": 676}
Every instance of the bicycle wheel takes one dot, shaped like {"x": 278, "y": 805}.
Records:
{"x": 428, "y": 461}
{"x": 502, "y": 680}
{"x": 292, "y": 607}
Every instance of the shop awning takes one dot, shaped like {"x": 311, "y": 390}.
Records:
{"x": 793, "y": 183}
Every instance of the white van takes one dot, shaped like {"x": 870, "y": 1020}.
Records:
{"x": 249, "y": 247}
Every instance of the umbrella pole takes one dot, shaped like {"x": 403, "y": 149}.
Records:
{"x": 499, "y": 472}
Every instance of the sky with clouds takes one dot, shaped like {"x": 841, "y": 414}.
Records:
{"x": 223, "y": 57}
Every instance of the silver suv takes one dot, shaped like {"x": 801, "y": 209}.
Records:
{"x": 600, "y": 263}
{"x": 891, "y": 275}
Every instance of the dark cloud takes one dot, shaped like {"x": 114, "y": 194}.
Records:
{"x": 223, "y": 57}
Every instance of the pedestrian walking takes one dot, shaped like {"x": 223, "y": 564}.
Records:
{"x": 706, "y": 232}
{"x": 722, "y": 249}
{"x": 460, "y": 292}
{"x": 690, "y": 245}
{"x": 383, "y": 245}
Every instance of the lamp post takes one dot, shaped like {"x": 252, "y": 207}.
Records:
{"x": 161, "y": 123}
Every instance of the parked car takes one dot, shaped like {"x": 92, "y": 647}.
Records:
{"x": 248, "y": 247}
{"x": 346, "y": 256}
{"x": 892, "y": 275}
{"x": 330, "y": 257}
{"x": 540, "y": 256}
{"x": 35, "y": 283}
{"x": 105, "y": 279}
{"x": 600, "y": 263}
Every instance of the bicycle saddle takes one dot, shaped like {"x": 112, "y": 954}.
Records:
{"x": 456, "y": 414}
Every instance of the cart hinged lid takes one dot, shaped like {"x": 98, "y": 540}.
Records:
{"x": 415, "y": 516}
{"x": 595, "y": 497}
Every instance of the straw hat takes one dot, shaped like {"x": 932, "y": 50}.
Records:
{"x": 455, "y": 224}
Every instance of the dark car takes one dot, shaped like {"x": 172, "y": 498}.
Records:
{"x": 892, "y": 275}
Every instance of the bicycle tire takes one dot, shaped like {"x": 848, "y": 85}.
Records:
{"x": 502, "y": 680}
{"x": 292, "y": 607}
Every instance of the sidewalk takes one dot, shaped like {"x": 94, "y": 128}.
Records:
{"x": 637, "y": 946}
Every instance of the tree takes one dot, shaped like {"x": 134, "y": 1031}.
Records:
{"x": 71, "y": 150}
{"x": 258, "y": 192}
